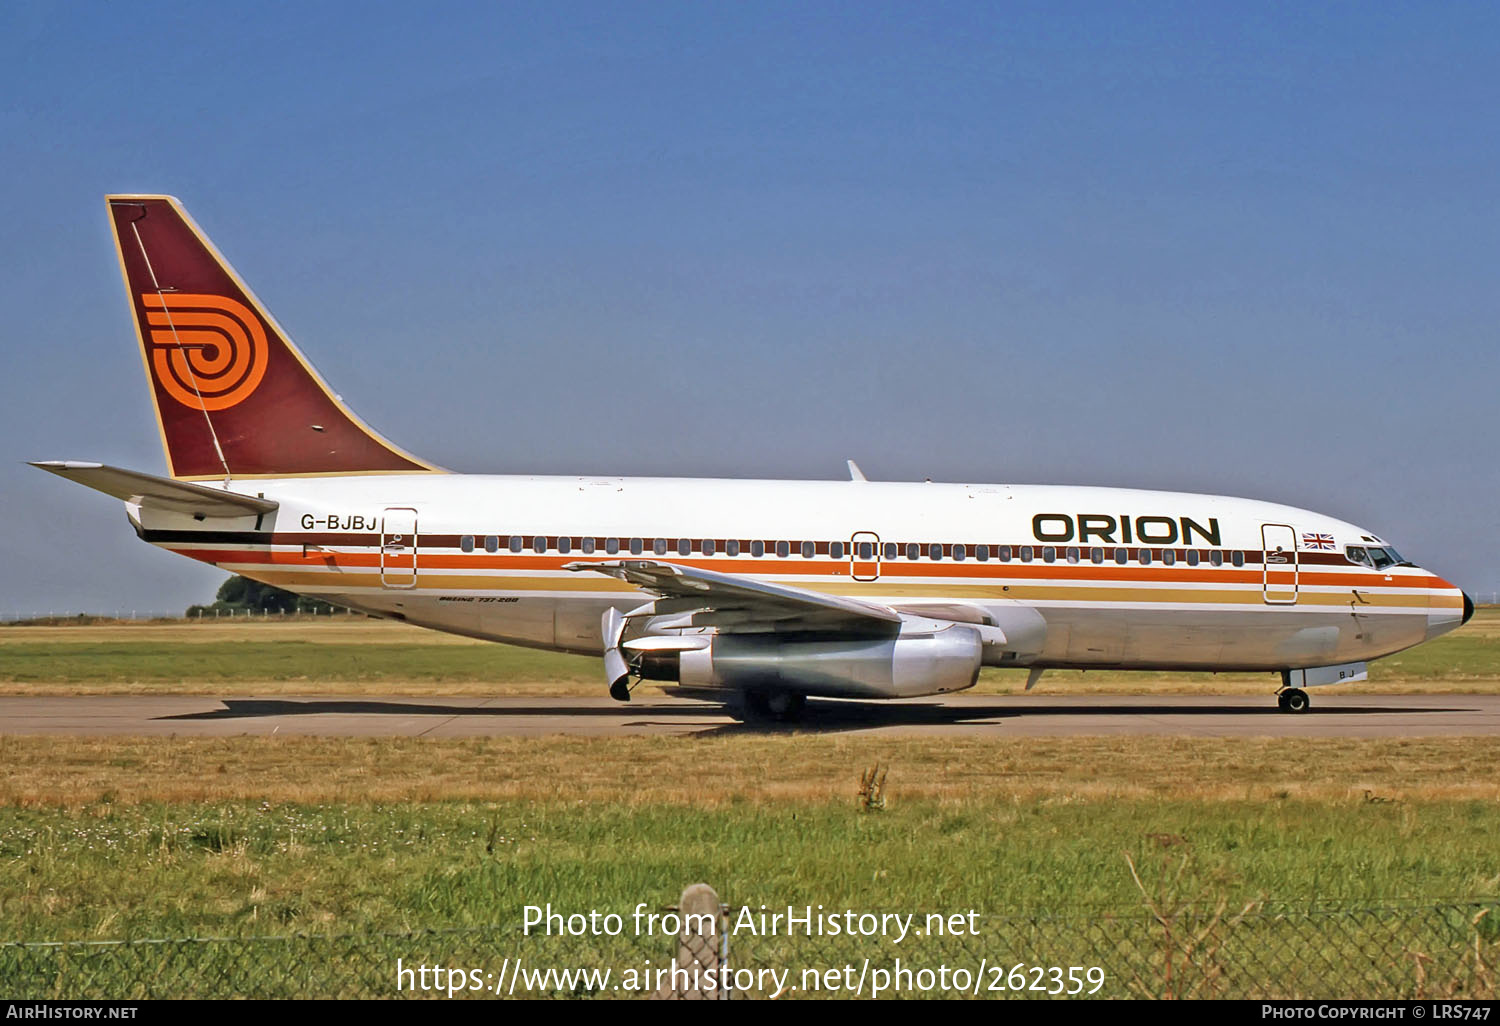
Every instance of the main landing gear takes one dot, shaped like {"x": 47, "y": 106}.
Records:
{"x": 784, "y": 706}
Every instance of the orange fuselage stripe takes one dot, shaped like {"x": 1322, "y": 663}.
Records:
{"x": 956, "y": 572}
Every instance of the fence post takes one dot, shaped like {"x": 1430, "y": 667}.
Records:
{"x": 695, "y": 970}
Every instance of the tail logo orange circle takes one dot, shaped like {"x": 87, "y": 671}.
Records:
{"x": 208, "y": 352}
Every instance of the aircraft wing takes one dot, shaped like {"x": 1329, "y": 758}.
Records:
{"x": 159, "y": 492}
{"x": 746, "y": 603}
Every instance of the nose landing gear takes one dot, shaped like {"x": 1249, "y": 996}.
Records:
{"x": 1292, "y": 700}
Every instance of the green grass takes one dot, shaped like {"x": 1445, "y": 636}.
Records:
{"x": 242, "y": 868}
{"x": 219, "y": 662}
{"x": 353, "y": 655}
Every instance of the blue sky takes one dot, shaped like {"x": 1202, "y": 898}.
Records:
{"x": 1214, "y": 247}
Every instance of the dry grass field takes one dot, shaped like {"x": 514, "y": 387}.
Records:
{"x": 722, "y": 772}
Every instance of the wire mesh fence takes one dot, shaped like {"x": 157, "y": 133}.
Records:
{"x": 366, "y": 965}
{"x": 1194, "y": 952}
{"x": 1264, "y": 952}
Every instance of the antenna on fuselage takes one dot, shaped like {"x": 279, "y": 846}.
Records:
{"x": 855, "y": 474}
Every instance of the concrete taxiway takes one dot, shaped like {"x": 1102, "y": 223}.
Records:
{"x": 956, "y": 715}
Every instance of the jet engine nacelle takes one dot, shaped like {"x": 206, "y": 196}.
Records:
{"x": 895, "y": 667}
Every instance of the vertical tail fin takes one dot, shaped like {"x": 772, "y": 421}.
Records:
{"x": 234, "y": 397}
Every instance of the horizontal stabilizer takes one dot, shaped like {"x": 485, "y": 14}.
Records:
{"x": 159, "y": 492}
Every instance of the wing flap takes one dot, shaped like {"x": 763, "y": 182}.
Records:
{"x": 729, "y": 600}
{"x": 159, "y": 492}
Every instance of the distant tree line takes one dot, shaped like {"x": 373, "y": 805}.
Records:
{"x": 241, "y": 595}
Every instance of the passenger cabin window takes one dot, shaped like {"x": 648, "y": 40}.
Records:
{"x": 1238, "y": 559}
{"x": 1096, "y": 554}
{"x": 1026, "y": 553}
{"x": 982, "y": 553}
{"x": 866, "y": 550}
{"x": 731, "y": 548}
{"x": 1145, "y": 557}
{"x": 588, "y": 546}
{"x": 491, "y": 543}
{"x": 913, "y": 550}
{"x": 684, "y": 547}
{"x": 890, "y": 550}
{"x": 1122, "y": 556}
{"x": 808, "y": 550}
{"x": 836, "y": 550}
{"x": 934, "y": 551}
{"x": 783, "y": 549}
{"x": 636, "y": 545}
{"x": 1192, "y": 557}
{"x": 1005, "y": 553}
{"x": 757, "y": 548}
{"x": 1216, "y": 557}
{"x": 466, "y": 543}
{"x": 960, "y": 551}
{"x": 1169, "y": 556}
{"x": 611, "y": 545}
{"x": 659, "y": 546}
{"x": 1049, "y": 554}
{"x": 565, "y": 545}
{"x": 1072, "y": 554}
{"x": 708, "y": 547}
{"x": 540, "y": 544}
{"x": 515, "y": 543}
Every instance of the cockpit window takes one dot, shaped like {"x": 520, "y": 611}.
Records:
{"x": 1373, "y": 556}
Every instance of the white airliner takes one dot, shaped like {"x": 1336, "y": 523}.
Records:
{"x": 772, "y": 589}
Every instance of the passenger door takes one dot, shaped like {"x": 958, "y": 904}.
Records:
{"x": 398, "y": 547}
{"x": 1279, "y": 564}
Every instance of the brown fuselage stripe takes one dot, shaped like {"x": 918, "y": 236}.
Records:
{"x": 895, "y": 591}
{"x": 957, "y": 572}
{"x": 428, "y": 542}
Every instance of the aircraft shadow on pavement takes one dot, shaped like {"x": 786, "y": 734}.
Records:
{"x": 236, "y": 708}
{"x": 817, "y": 716}
{"x": 847, "y": 715}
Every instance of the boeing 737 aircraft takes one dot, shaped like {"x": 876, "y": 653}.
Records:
{"x": 775, "y": 590}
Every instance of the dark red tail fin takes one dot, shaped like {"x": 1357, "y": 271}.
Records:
{"x": 233, "y": 396}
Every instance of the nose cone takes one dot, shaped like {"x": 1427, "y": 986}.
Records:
{"x": 1448, "y": 608}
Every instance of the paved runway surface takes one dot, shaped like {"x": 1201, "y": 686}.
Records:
{"x": 996, "y": 716}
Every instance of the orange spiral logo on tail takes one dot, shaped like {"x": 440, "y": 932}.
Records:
{"x": 208, "y": 352}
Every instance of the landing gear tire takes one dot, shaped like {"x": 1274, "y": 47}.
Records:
{"x": 787, "y": 705}
{"x": 1293, "y": 700}
{"x": 782, "y": 706}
